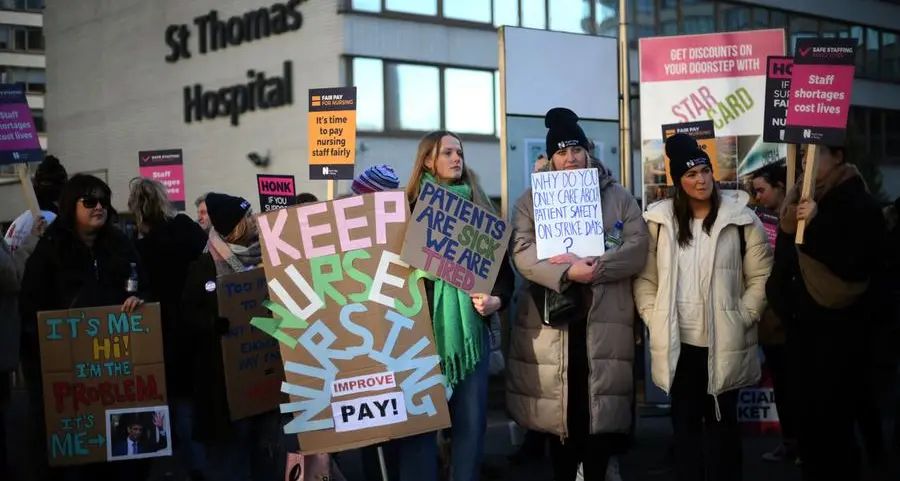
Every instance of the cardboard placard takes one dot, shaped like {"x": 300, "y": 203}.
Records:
{"x": 167, "y": 167}
{"x": 311, "y": 467}
{"x": 99, "y": 364}
{"x": 704, "y": 132}
{"x": 276, "y": 191}
{"x": 778, "y": 91}
{"x": 252, "y": 360}
{"x": 821, "y": 86}
{"x": 331, "y": 127}
{"x": 347, "y": 306}
{"x": 567, "y": 213}
{"x": 455, "y": 240}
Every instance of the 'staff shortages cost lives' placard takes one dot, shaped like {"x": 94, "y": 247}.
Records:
{"x": 332, "y": 133}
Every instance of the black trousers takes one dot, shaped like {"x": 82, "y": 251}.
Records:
{"x": 777, "y": 363}
{"x": 823, "y": 357}
{"x": 694, "y": 414}
{"x": 592, "y": 451}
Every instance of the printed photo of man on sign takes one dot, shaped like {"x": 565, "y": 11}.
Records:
{"x": 360, "y": 360}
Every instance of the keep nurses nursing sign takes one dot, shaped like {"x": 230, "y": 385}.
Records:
{"x": 719, "y": 77}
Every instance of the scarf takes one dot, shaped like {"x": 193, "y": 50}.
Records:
{"x": 826, "y": 288}
{"x": 458, "y": 329}
{"x": 231, "y": 258}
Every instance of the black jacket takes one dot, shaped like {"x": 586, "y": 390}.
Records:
{"x": 167, "y": 253}
{"x": 846, "y": 235}
{"x": 64, "y": 273}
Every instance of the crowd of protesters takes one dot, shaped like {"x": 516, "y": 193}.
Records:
{"x": 714, "y": 281}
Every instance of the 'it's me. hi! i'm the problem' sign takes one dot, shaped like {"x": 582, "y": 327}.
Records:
{"x": 359, "y": 357}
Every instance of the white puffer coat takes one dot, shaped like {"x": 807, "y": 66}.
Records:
{"x": 734, "y": 294}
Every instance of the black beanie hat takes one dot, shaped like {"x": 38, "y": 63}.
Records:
{"x": 49, "y": 180}
{"x": 684, "y": 154}
{"x": 225, "y": 211}
{"x": 563, "y": 131}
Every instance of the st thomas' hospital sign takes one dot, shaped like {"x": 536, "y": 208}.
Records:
{"x": 259, "y": 92}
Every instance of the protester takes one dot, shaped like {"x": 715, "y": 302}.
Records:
{"x": 202, "y": 212}
{"x": 701, "y": 295}
{"x": 769, "y": 187}
{"x": 48, "y": 182}
{"x": 233, "y": 448}
{"x": 169, "y": 242}
{"x": 587, "y": 406}
{"x": 12, "y": 269}
{"x": 825, "y": 290}
{"x": 306, "y": 198}
{"x": 81, "y": 261}
{"x": 461, "y": 321}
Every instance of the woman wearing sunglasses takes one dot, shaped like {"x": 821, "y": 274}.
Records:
{"x": 81, "y": 261}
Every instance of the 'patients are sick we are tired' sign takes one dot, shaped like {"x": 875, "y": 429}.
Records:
{"x": 455, "y": 239}
{"x": 352, "y": 321}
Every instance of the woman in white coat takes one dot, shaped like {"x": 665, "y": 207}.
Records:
{"x": 701, "y": 295}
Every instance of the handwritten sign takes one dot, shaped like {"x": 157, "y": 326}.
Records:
{"x": 98, "y": 362}
{"x": 567, "y": 213}
{"x": 455, "y": 240}
{"x": 347, "y": 306}
{"x": 252, "y": 360}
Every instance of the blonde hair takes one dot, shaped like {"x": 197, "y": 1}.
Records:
{"x": 428, "y": 149}
{"x": 243, "y": 231}
{"x": 149, "y": 202}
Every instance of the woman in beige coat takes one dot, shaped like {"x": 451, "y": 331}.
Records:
{"x": 701, "y": 295}
{"x": 572, "y": 377}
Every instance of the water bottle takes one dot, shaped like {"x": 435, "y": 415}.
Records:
{"x": 131, "y": 286}
{"x": 614, "y": 238}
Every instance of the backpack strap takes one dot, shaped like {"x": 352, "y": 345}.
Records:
{"x": 743, "y": 241}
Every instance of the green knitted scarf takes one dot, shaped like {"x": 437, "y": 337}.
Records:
{"x": 458, "y": 329}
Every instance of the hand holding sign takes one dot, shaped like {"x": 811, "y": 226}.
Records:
{"x": 582, "y": 271}
{"x": 485, "y": 304}
{"x": 806, "y": 209}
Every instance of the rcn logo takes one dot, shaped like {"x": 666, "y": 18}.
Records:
{"x": 807, "y": 133}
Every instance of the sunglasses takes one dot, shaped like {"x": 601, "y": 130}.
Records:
{"x": 91, "y": 202}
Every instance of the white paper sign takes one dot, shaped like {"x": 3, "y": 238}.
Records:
{"x": 359, "y": 384}
{"x": 567, "y": 213}
{"x": 369, "y": 412}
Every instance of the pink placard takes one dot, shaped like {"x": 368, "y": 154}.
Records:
{"x": 708, "y": 56}
{"x": 171, "y": 176}
{"x": 820, "y": 95}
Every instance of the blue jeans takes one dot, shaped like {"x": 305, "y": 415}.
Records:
{"x": 191, "y": 453}
{"x": 468, "y": 415}
{"x": 245, "y": 456}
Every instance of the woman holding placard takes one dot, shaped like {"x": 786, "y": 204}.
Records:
{"x": 701, "y": 295}
{"x": 461, "y": 320}
{"x": 826, "y": 291}
{"x": 569, "y": 369}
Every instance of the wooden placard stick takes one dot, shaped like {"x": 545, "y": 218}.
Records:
{"x": 809, "y": 187}
{"x": 28, "y": 188}
{"x": 791, "y": 165}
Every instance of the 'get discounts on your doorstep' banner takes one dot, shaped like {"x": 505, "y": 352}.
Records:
{"x": 719, "y": 77}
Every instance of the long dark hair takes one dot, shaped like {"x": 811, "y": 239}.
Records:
{"x": 684, "y": 215}
{"x": 774, "y": 175}
{"x": 81, "y": 185}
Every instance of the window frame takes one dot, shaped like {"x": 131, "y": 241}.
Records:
{"x": 388, "y": 130}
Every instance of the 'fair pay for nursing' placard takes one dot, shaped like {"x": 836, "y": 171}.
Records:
{"x": 567, "y": 213}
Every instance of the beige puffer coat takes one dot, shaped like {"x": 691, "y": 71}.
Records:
{"x": 536, "y": 383}
{"x": 735, "y": 294}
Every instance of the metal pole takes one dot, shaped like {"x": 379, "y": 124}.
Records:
{"x": 384, "y": 474}
{"x": 625, "y": 150}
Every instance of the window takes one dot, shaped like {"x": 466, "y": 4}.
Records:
{"x": 834, "y": 30}
{"x": 668, "y": 17}
{"x": 859, "y": 34}
{"x": 506, "y": 12}
{"x": 368, "y": 78}
{"x": 470, "y": 10}
{"x": 413, "y": 97}
{"x": 890, "y": 57}
{"x": 469, "y": 101}
{"x": 606, "y": 15}
{"x": 21, "y": 38}
{"x": 21, "y": 4}
{"x": 760, "y": 18}
{"x": 33, "y": 78}
{"x": 39, "y": 123}
{"x": 873, "y": 47}
{"x": 366, "y": 5}
{"x": 395, "y": 96}
{"x": 734, "y": 18}
{"x": 698, "y": 16}
{"x": 417, "y": 7}
{"x": 534, "y": 14}
{"x": 801, "y": 27}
